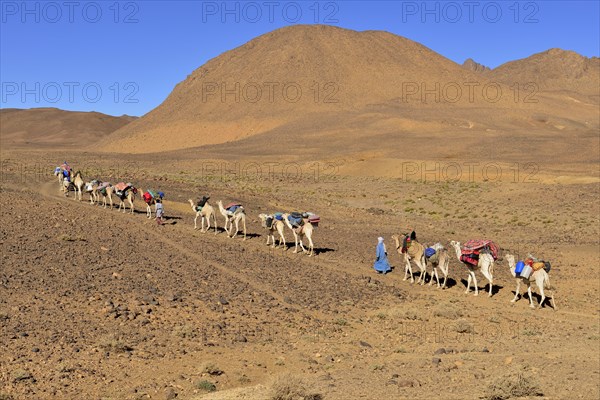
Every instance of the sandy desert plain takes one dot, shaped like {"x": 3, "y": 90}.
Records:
{"x": 97, "y": 304}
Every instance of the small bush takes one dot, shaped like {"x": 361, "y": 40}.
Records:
{"x": 446, "y": 310}
{"x": 291, "y": 387}
{"x": 464, "y": 326}
{"x": 206, "y": 386}
{"x": 513, "y": 385}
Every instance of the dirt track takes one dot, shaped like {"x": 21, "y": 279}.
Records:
{"x": 100, "y": 304}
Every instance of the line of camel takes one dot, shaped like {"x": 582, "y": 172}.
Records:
{"x": 415, "y": 254}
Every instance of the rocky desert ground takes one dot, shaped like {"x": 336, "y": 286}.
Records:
{"x": 104, "y": 305}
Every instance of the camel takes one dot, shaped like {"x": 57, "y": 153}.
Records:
{"x": 541, "y": 277}
{"x": 63, "y": 182}
{"x": 485, "y": 265}
{"x": 275, "y": 226}
{"x": 105, "y": 192}
{"x": 78, "y": 183}
{"x": 149, "y": 203}
{"x": 92, "y": 189}
{"x": 416, "y": 253}
{"x": 440, "y": 260}
{"x": 129, "y": 195}
{"x": 305, "y": 230}
{"x": 238, "y": 215}
{"x": 206, "y": 212}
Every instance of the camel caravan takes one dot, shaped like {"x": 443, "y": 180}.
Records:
{"x": 477, "y": 256}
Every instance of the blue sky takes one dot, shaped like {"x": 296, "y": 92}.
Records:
{"x": 126, "y": 57}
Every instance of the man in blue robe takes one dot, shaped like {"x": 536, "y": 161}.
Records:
{"x": 382, "y": 265}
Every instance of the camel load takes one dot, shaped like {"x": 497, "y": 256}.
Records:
{"x": 297, "y": 219}
{"x": 473, "y": 248}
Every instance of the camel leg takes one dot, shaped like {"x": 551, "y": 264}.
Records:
{"x": 196, "y": 222}
{"x": 311, "y": 247}
{"x": 237, "y": 228}
{"x": 517, "y": 290}
{"x": 530, "y": 296}
{"x": 244, "y": 226}
{"x": 475, "y": 284}
{"x": 468, "y": 283}
{"x": 543, "y": 295}
{"x": 445, "y": 279}
{"x": 295, "y": 242}
{"x": 552, "y": 300}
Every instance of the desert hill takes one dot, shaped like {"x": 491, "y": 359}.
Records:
{"x": 52, "y": 127}
{"x": 356, "y": 88}
{"x": 554, "y": 70}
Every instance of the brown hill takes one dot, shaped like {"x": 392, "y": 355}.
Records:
{"x": 554, "y": 70}
{"x": 357, "y": 90}
{"x": 52, "y": 127}
{"x": 337, "y": 71}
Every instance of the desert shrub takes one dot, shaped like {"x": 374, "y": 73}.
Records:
{"x": 291, "y": 387}
{"x": 206, "y": 386}
{"x": 515, "y": 384}
{"x": 463, "y": 326}
{"x": 447, "y": 310}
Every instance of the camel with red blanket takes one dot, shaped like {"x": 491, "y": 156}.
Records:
{"x": 487, "y": 253}
{"x": 149, "y": 198}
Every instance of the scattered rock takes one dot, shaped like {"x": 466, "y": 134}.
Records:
{"x": 406, "y": 383}
{"x": 241, "y": 338}
{"x": 440, "y": 351}
{"x": 170, "y": 394}
{"x": 35, "y": 350}
{"x": 364, "y": 344}
{"x": 223, "y": 301}
{"x": 21, "y": 375}
{"x": 436, "y": 361}
{"x": 485, "y": 350}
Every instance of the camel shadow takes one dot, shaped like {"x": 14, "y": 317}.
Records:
{"x": 495, "y": 287}
{"x": 537, "y": 298}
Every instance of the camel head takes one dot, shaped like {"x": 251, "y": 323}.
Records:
{"x": 510, "y": 259}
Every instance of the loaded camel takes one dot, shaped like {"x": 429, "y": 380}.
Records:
{"x": 276, "y": 225}
{"x": 416, "y": 253}
{"x": 105, "y": 190}
{"x": 91, "y": 188}
{"x": 441, "y": 260}
{"x": 149, "y": 200}
{"x": 305, "y": 230}
{"x": 78, "y": 183}
{"x": 205, "y": 212}
{"x": 127, "y": 194}
{"x": 541, "y": 277}
{"x": 238, "y": 215}
{"x": 485, "y": 265}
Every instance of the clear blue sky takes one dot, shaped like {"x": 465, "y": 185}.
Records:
{"x": 126, "y": 57}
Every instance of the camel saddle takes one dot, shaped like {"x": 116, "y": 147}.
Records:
{"x": 479, "y": 246}
{"x": 121, "y": 186}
